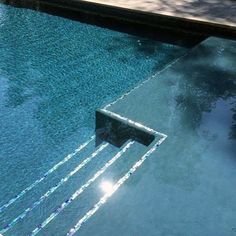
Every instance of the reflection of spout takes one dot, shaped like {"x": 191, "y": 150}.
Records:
{"x": 232, "y": 134}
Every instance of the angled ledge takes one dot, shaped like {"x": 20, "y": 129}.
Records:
{"x": 117, "y": 130}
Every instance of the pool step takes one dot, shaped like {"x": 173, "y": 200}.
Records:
{"x": 77, "y": 189}
{"x": 82, "y": 198}
{"x": 45, "y": 175}
{"x": 82, "y": 209}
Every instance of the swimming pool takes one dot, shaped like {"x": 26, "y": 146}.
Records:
{"x": 54, "y": 74}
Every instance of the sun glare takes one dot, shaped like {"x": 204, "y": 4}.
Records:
{"x": 106, "y": 186}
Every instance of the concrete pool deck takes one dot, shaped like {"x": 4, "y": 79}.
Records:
{"x": 212, "y": 11}
{"x": 207, "y": 17}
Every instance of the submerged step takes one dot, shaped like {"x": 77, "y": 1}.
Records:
{"x": 34, "y": 208}
{"x": 46, "y": 174}
{"x": 73, "y": 202}
{"x": 92, "y": 203}
{"x": 110, "y": 188}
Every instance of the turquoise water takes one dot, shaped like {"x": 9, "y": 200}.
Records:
{"x": 54, "y": 74}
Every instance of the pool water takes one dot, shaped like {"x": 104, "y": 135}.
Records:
{"x": 54, "y": 74}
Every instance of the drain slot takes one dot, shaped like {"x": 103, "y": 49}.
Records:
{"x": 117, "y": 130}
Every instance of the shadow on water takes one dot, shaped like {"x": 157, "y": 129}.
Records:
{"x": 207, "y": 82}
{"x": 195, "y": 104}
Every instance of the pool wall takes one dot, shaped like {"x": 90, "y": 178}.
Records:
{"x": 134, "y": 18}
{"x": 137, "y": 23}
